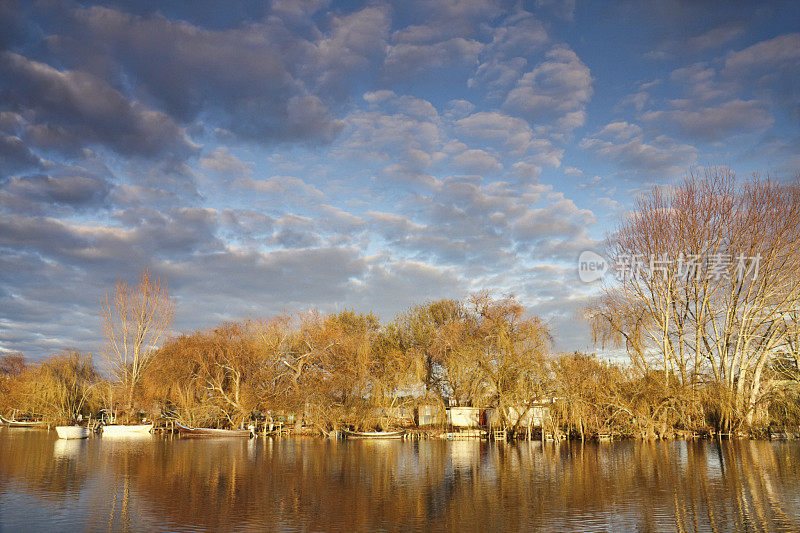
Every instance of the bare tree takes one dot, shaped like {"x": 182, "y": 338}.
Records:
{"x": 135, "y": 318}
{"x": 717, "y": 296}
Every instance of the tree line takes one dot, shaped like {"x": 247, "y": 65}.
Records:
{"x": 706, "y": 319}
{"x": 335, "y": 369}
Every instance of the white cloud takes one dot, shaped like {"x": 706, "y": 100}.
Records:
{"x": 783, "y": 50}
{"x": 224, "y": 162}
{"x": 409, "y": 59}
{"x": 718, "y": 122}
{"x": 283, "y": 186}
{"x": 623, "y": 144}
{"x": 557, "y": 89}
{"x": 477, "y": 162}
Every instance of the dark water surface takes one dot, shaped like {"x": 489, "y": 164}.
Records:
{"x": 308, "y": 484}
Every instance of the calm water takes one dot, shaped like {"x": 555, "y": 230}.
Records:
{"x": 289, "y": 484}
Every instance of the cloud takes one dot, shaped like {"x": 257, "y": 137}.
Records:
{"x": 20, "y": 194}
{"x": 512, "y": 132}
{"x": 212, "y": 283}
{"x": 282, "y": 186}
{"x": 623, "y": 144}
{"x": 701, "y": 82}
{"x": 354, "y": 41}
{"x": 619, "y": 131}
{"x": 298, "y": 8}
{"x": 716, "y": 123}
{"x": 15, "y": 156}
{"x": 635, "y": 100}
{"x": 557, "y": 89}
{"x": 252, "y": 227}
{"x": 707, "y": 40}
{"x": 561, "y": 218}
{"x": 411, "y": 140}
{"x": 483, "y": 228}
{"x": 260, "y": 80}
{"x": 443, "y": 35}
{"x": 224, "y": 162}
{"x": 768, "y": 71}
{"x": 477, "y": 162}
{"x": 505, "y": 58}
{"x": 294, "y": 231}
{"x": 289, "y": 279}
{"x": 88, "y": 108}
{"x": 400, "y": 281}
{"x": 127, "y": 195}
{"x": 339, "y": 220}
{"x": 444, "y": 19}
{"x": 715, "y": 37}
{"x": 140, "y": 237}
{"x": 408, "y": 59}
{"x": 402, "y": 134}
{"x": 414, "y": 107}
{"x": 563, "y": 8}
{"x": 783, "y": 50}
{"x": 512, "y": 136}
{"x": 573, "y": 171}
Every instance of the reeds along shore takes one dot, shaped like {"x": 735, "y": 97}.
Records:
{"x": 705, "y": 350}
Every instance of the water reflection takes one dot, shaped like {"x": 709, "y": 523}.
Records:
{"x": 310, "y": 484}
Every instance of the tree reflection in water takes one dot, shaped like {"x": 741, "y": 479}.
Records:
{"x": 311, "y": 484}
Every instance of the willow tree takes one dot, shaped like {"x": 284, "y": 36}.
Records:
{"x": 513, "y": 354}
{"x": 441, "y": 339}
{"x": 345, "y": 380}
{"x": 135, "y": 319}
{"x": 12, "y": 368}
{"x": 706, "y": 286}
{"x": 219, "y": 376}
{"x": 63, "y": 387}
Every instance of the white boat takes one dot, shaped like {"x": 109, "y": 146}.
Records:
{"x": 121, "y": 430}
{"x": 73, "y": 432}
{"x": 11, "y": 422}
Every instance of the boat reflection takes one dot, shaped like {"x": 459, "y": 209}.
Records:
{"x": 67, "y": 448}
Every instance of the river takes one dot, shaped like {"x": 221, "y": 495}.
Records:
{"x": 306, "y": 484}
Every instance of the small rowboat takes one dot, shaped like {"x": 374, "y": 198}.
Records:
{"x": 121, "y": 430}
{"x": 73, "y": 432}
{"x": 210, "y": 432}
{"x": 374, "y": 434}
{"x": 20, "y": 423}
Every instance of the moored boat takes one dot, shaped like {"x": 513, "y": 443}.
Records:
{"x": 211, "y": 432}
{"x": 20, "y": 423}
{"x": 374, "y": 434}
{"x": 121, "y": 430}
{"x": 73, "y": 432}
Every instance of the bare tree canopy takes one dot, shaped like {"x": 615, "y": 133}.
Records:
{"x": 135, "y": 319}
{"x": 707, "y": 288}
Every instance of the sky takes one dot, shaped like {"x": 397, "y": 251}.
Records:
{"x": 269, "y": 157}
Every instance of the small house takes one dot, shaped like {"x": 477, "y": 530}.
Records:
{"x": 465, "y": 417}
{"x": 520, "y": 416}
{"x": 429, "y": 415}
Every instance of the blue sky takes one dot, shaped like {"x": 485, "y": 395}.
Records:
{"x": 270, "y": 157}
